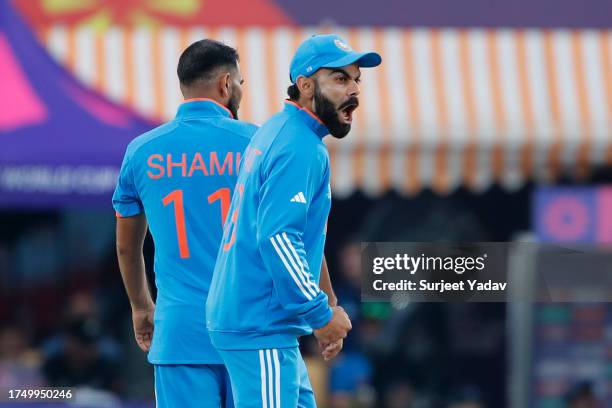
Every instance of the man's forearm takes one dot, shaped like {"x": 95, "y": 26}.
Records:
{"x": 325, "y": 284}
{"x": 133, "y": 273}
{"x": 130, "y": 238}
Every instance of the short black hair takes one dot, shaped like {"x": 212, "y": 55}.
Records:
{"x": 294, "y": 92}
{"x": 202, "y": 58}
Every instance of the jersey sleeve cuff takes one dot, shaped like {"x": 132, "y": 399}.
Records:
{"x": 320, "y": 315}
{"x": 127, "y": 211}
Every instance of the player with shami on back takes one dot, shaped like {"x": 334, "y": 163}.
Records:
{"x": 178, "y": 178}
{"x": 265, "y": 290}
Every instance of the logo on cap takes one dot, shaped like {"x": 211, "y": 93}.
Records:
{"x": 342, "y": 45}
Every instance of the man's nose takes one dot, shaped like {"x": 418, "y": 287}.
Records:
{"x": 354, "y": 89}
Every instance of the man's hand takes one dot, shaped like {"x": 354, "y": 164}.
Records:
{"x": 330, "y": 351}
{"x": 143, "y": 326}
{"x": 336, "y": 329}
{"x": 131, "y": 232}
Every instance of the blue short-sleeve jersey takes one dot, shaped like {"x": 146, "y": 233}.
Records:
{"x": 181, "y": 175}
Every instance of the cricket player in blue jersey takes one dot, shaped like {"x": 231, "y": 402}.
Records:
{"x": 178, "y": 179}
{"x": 265, "y": 291}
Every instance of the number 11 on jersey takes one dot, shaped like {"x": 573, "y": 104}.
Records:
{"x": 176, "y": 197}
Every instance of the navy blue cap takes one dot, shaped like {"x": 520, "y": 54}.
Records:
{"x": 328, "y": 51}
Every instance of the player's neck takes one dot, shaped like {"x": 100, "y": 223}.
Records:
{"x": 305, "y": 103}
{"x": 202, "y": 93}
{"x": 196, "y": 97}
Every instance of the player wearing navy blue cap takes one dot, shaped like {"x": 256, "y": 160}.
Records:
{"x": 265, "y": 290}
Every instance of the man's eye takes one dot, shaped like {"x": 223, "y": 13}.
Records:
{"x": 342, "y": 79}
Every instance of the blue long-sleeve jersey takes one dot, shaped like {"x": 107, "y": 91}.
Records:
{"x": 264, "y": 292}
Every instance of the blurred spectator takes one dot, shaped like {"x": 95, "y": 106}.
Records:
{"x": 80, "y": 361}
{"x": 582, "y": 395}
{"x": 350, "y": 378}
{"x": 466, "y": 404}
{"x": 82, "y": 305}
{"x": 419, "y": 351}
{"x": 426, "y": 219}
{"x": 351, "y": 372}
{"x": 43, "y": 267}
{"x": 19, "y": 365}
{"x": 466, "y": 397}
{"x": 400, "y": 394}
{"x": 348, "y": 289}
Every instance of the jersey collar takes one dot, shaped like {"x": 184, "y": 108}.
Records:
{"x": 308, "y": 117}
{"x": 202, "y": 107}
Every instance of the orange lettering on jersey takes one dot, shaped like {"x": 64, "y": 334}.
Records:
{"x": 250, "y": 158}
{"x": 198, "y": 164}
{"x": 182, "y": 164}
{"x": 238, "y": 157}
{"x": 214, "y": 162}
{"x": 159, "y": 167}
{"x": 234, "y": 218}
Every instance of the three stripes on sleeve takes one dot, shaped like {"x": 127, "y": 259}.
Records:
{"x": 292, "y": 261}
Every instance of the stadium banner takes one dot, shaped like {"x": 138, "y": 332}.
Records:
{"x": 447, "y": 107}
{"x": 62, "y": 143}
{"x": 570, "y": 342}
{"x": 573, "y": 214}
{"x": 437, "y": 13}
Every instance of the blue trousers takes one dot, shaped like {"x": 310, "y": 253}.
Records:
{"x": 271, "y": 378}
{"x": 192, "y": 385}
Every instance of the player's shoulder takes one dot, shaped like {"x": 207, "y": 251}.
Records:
{"x": 297, "y": 136}
{"x": 298, "y": 143}
{"x": 298, "y": 129}
{"x": 239, "y": 128}
{"x": 283, "y": 124}
{"x": 150, "y": 136}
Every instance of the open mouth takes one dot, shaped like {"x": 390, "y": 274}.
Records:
{"x": 346, "y": 112}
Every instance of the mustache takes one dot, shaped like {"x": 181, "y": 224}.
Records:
{"x": 352, "y": 101}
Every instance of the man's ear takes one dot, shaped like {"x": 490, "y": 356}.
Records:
{"x": 306, "y": 86}
{"x": 223, "y": 85}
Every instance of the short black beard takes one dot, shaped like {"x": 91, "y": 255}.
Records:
{"x": 327, "y": 112}
{"x": 232, "y": 105}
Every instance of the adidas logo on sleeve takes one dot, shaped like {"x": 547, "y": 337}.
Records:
{"x": 299, "y": 198}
